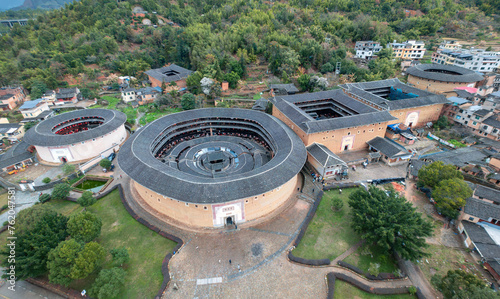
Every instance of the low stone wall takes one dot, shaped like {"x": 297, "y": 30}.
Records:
{"x": 330, "y": 284}
{"x": 373, "y": 290}
{"x": 91, "y": 177}
{"x": 381, "y": 276}
{"x": 53, "y": 183}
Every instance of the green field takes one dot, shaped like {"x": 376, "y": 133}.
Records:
{"x": 152, "y": 116}
{"x": 329, "y": 234}
{"x": 345, "y": 290}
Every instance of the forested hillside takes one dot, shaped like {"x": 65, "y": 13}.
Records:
{"x": 220, "y": 37}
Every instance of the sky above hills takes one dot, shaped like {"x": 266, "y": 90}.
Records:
{"x": 8, "y": 4}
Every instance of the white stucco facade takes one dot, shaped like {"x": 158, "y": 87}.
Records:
{"x": 84, "y": 150}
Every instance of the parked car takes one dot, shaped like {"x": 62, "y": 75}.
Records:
{"x": 111, "y": 157}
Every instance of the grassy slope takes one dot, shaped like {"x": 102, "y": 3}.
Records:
{"x": 329, "y": 234}
{"x": 345, "y": 290}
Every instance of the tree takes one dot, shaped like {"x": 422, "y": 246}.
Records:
{"x": 29, "y": 125}
{"x": 108, "y": 283}
{"x": 105, "y": 163}
{"x": 390, "y": 222}
{"x": 442, "y": 123}
{"x": 460, "y": 284}
{"x": 46, "y": 180}
{"x": 89, "y": 259}
{"x": 430, "y": 175}
{"x": 61, "y": 191}
{"x": 232, "y": 78}
{"x": 337, "y": 203}
{"x": 120, "y": 255}
{"x": 84, "y": 226}
{"x": 38, "y": 88}
{"x": 61, "y": 261}
{"x": 68, "y": 169}
{"x": 450, "y": 195}
{"x": 188, "y": 101}
{"x": 304, "y": 82}
{"x": 44, "y": 198}
{"x": 38, "y": 231}
{"x": 193, "y": 82}
{"x": 87, "y": 199}
{"x": 164, "y": 100}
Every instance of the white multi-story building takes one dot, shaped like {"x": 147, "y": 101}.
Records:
{"x": 367, "y": 49}
{"x": 408, "y": 50}
{"x": 477, "y": 60}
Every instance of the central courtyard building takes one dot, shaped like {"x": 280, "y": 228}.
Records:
{"x": 214, "y": 167}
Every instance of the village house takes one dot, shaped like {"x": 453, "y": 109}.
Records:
{"x": 172, "y": 77}
{"x": 10, "y": 98}
{"x": 142, "y": 96}
{"x": 35, "y": 110}
{"x": 13, "y": 131}
{"x": 67, "y": 96}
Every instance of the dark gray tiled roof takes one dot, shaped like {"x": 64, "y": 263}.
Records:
{"x": 482, "y": 112}
{"x": 415, "y": 166}
{"x": 477, "y": 233}
{"x": 487, "y": 193}
{"x": 136, "y": 159}
{"x": 260, "y": 104}
{"x": 42, "y": 134}
{"x": 310, "y": 125}
{"x": 289, "y": 88}
{"x": 4, "y": 128}
{"x": 15, "y": 154}
{"x": 458, "y": 157}
{"x": 66, "y": 93}
{"x": 179, "y": 73}
{"x": 387, "y": 147}
{"x": 481, "y": 209}
{"x": 362, "y": 90}
{"x": 323, "y": 155}
{"x": 492, "y": 121}
{"x": 465, "y": 75}
{"x": 463, "y": 93}
{"x": 6, "y": 97}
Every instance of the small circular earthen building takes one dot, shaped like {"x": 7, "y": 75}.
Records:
{"x": 440, "y": 78}
{"x": 77, "y": 136}
{"x": 214, "y": 167}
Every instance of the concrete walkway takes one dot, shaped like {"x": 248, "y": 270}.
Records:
{"x": 52, "y": 173}
{"x": 23, "y": 200}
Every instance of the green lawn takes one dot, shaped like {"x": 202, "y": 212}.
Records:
{"x": 4, "y": 199}
{"x": 146, "y": 248}
{"x": 152, "y": 116}
{"x": 372, "y": 254}
{"x": 329, "y": 234}
{"x": 345, "y": 290}
{"x": 112, "y": 101}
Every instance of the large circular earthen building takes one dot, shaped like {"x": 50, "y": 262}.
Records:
{"x": 214, "y": 167}
{"x": 439, "y": 78}
{"x": 77, "y": 136}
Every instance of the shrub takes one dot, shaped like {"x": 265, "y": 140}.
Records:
{"x": 46, "y": 180}
{"x": 61, "y": 191}
{"x": 105, "y": 163}
{"x": 337, "y": 203}
{"x": 68, "y": 169}
{"x": 412, "y": 290}
{"x": 87, "y": 199}
{"x": 374, "y": 269}
{"x": 44, "y": 197}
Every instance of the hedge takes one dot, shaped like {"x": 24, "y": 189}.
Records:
{"x": 373, "y": 290}
{"x": 330, "y": 282}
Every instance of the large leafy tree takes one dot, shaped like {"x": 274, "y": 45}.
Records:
{"x": 459, "y": 284}
{"x": 430, "y": 175}
{"x": 120, "y": 255}
{"x": 450, "y": 195}
{"x": 108, "y": 283}
{"x": 61, "y": 191}
{"x": 84, "y": 226}
{"x": 88, "y": 260}
{"x": 390, "y": 222}
{"x": 61, "y": 261}
{"x": 188, "y": 101}
{"x": 87, "y": 199}
{"x": 34, "y": 242}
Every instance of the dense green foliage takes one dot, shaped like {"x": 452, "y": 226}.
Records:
{"x": 61, "y": 191}
{"x": 120, "y": 255}
{"x": 108, "y": 283}
{"x": 460, "y": 284}
{"x": 390, "y": 222}
{"x": 84, "y": 226}
{"x": 44, "y": 197}
{"x": 430, "y": 175}
{"x": 450, "y": 195}
{"x": 218, "y": 38}
{"x": 41, "y": 231}
{"x": 105, "y": 163}
{"x": 87, "y": 199}
{"x": 61, "y": 260}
